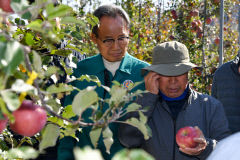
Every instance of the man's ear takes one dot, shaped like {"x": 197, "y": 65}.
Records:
{"x": 93, "y": 38}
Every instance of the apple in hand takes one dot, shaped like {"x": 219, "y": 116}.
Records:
{"x": 185, "y": 137}
{"x": 5, "y": 5}
{"x": 30, "y": 118}
{"x": 3, "y": 123}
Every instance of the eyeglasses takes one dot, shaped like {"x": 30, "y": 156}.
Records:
{"x": 110, "y": 41}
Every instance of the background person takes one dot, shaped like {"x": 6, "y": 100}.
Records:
{"x": 113, "y": 63}
{"x": 226, "y": 88}
{"x": 173, "y": 105}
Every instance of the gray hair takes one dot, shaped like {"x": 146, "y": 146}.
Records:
{"x": 110, "y": 10}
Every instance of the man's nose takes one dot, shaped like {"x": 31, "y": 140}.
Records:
{"x": 173, "y": 79}
{"x": 116, "y": 44}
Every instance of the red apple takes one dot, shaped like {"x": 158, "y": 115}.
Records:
{"x": 199, "y": 34}
{"x": 3, "y": 123}
{"x": 29, "y": 119}
{"x": 185, "y": 137}
{"x": 209, "y": 20}
{"x": 217, "y": 40}
{"x": 5, "y": 5}
{"x": 174, "y": 14}
{"x": 216, "y": 1}
{"x": 194, "y": 13}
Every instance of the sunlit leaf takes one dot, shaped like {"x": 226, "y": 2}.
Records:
{"x": 58, "y": 11}
{"x": 61, "y": 87}
{"x": 19, "y": 5}
{"x": 133, "y": 107}
{"x": 133, "y": 154}
{"x": 51, "y": 70}
{"x": 11, "y": 99}
{"x": 84, "y": 99}
{"x": 49, "y": 136}
{"x": 56, "y": 121}
{"x": 37, "y": 62}
{"x": 117, "y": 94}
{"x": 36, "y": 25}
{"x": 89, "y": 78}
{"x": 24, "y": 152}
{"x": 29, "y": 39}
{"x": 74, "y": 20}
{"x": 140, "y": 125}
{"x": 21, "y": 86}
{"x": 68, "y": 112}
{"x": 11, "y": 56}
{"x": 107, "y": 139}
{"x": 87, "y": 153}
{"x": 94, "y": 136}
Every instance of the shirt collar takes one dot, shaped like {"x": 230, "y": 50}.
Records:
{"x": 125, "y": 65}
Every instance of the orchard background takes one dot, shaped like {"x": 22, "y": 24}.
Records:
{"x": 41, "y": 41}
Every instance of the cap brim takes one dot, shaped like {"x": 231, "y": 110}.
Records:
{"x": 170, "y": 69}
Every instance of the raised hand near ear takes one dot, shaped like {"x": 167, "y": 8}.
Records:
{"x": 151, "y": 82}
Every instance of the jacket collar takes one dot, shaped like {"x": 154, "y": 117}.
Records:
{"x": 125, "y": 65}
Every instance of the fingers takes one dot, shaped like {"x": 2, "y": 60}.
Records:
{"x": 199, "y": 132}
{"x": 151, "y": 82}
{"x": 201, "y": 145}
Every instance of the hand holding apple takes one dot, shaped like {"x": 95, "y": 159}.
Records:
{"x": 193, "y": 143}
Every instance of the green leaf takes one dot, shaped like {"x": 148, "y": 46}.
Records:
{"x": 54, "y": 104}
{"x": 19, "y": 5}
{"x": 107, "y": 139}
{"x": 35, "y": 25}
{"x": 94, "y": 136}
{"x": 73, "y": 20}
{"x": 84, "y": 99}
{"x": 20, "y": 86}
{"x": 24, "y": 152}
{"x": 76, "y": 35}
{"x": 62, "y": 87}
{"x": 89, "y": 78}
{"x": 37, "y": 62}
{"x": 117, "y": 94}
{"x": 49, "y": 137}
{"x": 133, "y": 154}
{"x": 87, "y": 153}
{"x": 68, "y": 112}
{"x": 133, "y": 107}
{"x": 70, "y": 130}
{"x": 11, "y": 99}
{"x": 27, "y": 15}
{"x": 56, "y": 120}
{"x": 11, "y": 56}
{"x": 51, "y": 70}
{"x": 58, "y": 11}
{"x": 140, "y": 125}
{"x": 29, "y": 39}
{"x": 93, "y": 21}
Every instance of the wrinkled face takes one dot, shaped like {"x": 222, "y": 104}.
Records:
{"x": 112, "y": 29}
{"x": 173, "y": 86}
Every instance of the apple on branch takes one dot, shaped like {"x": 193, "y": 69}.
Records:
{"x": 5, "y": 5}
{"x": 30, "y": 119}
{"x": 185, "y": 137}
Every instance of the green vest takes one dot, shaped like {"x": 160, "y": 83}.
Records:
{"x": 129, "y": 71}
